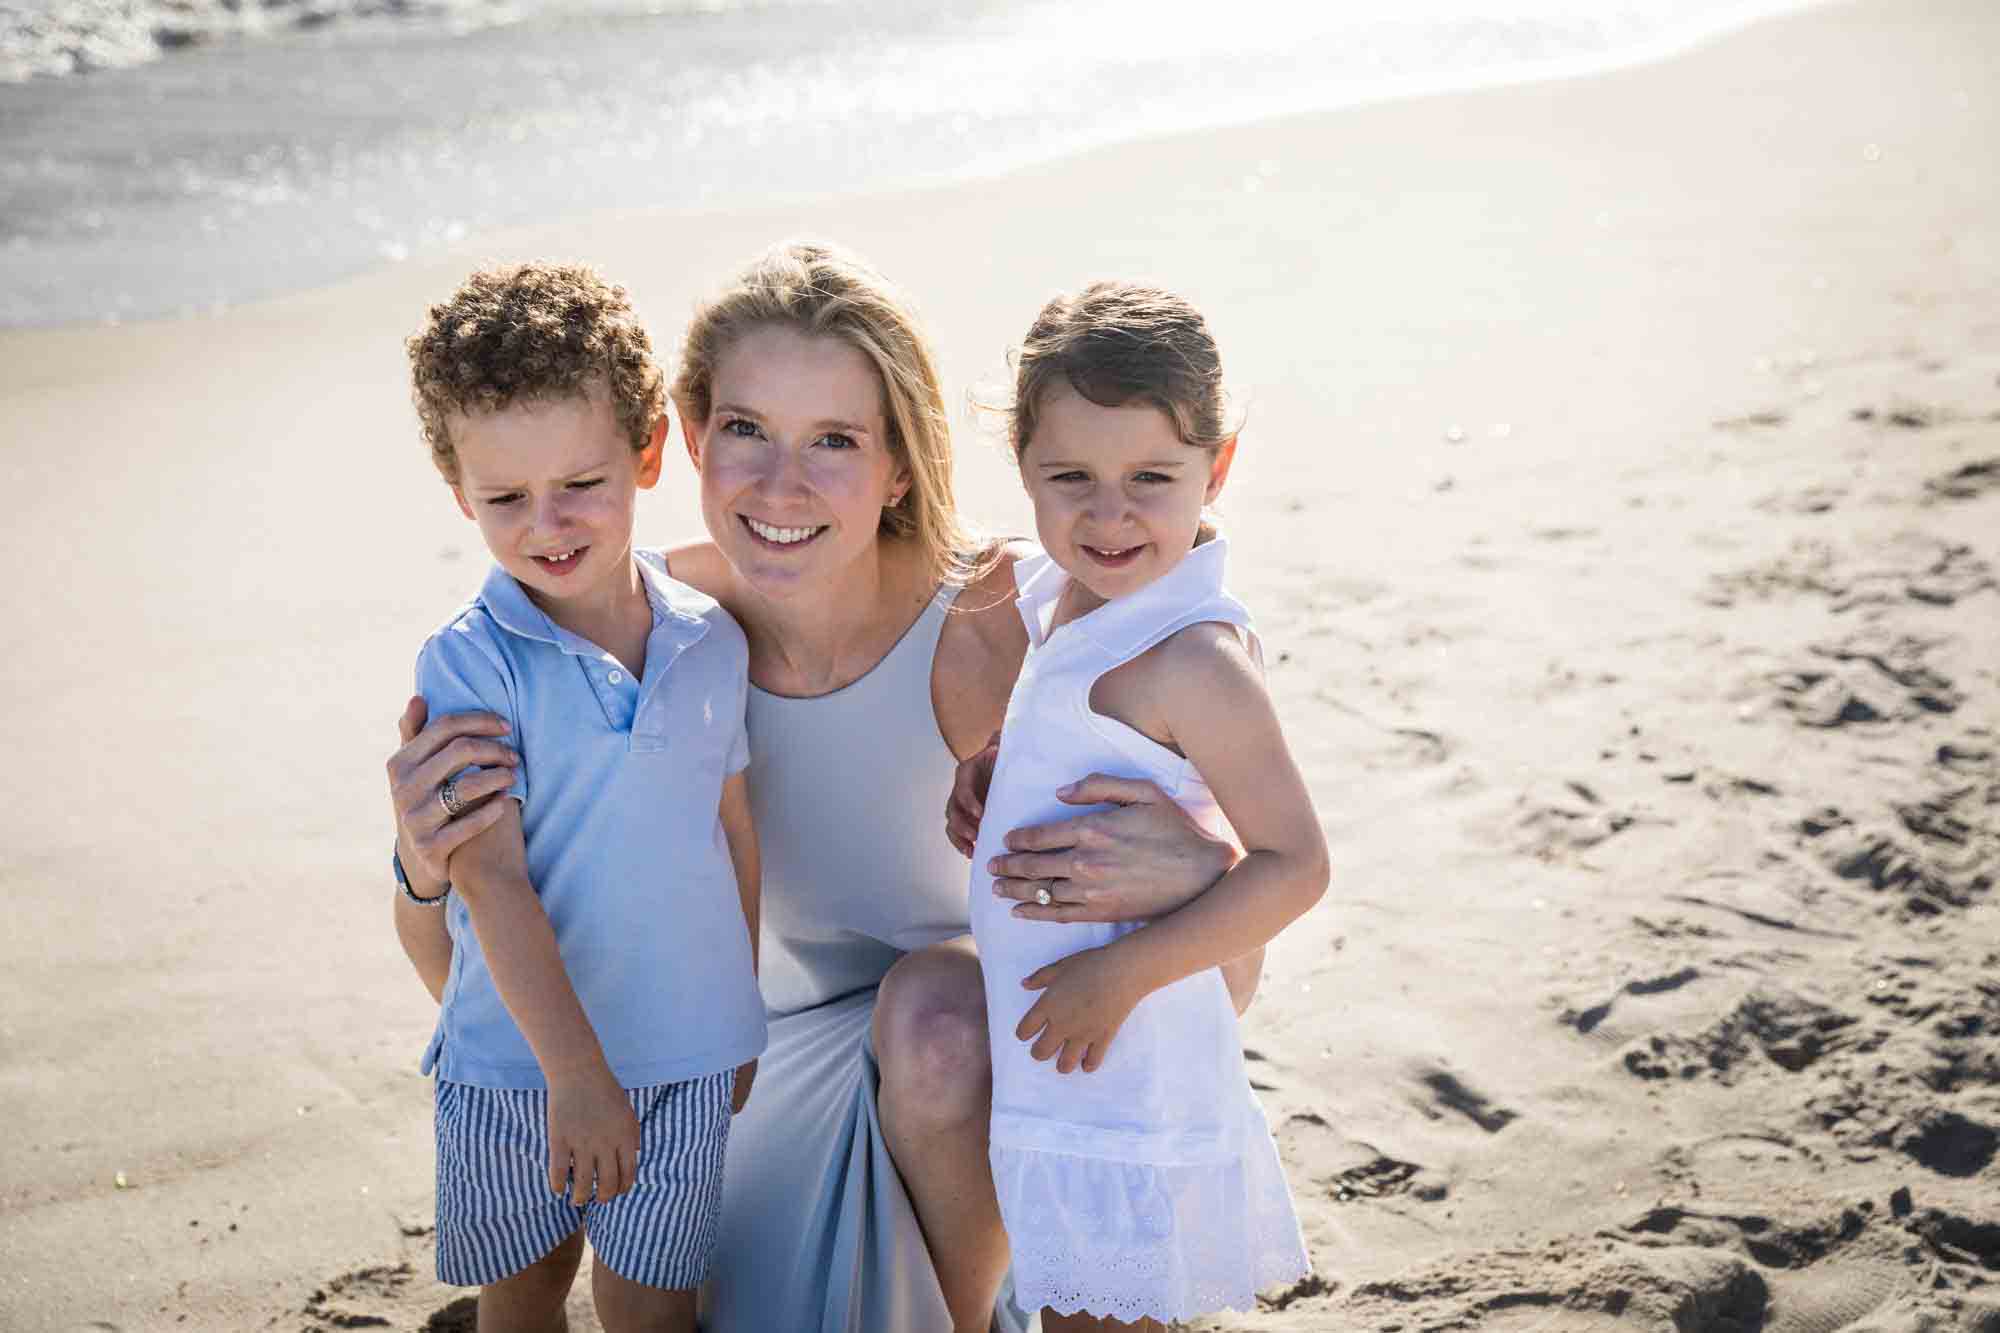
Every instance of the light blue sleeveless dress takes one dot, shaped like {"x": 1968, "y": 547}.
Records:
{"x": 849, "y": 791}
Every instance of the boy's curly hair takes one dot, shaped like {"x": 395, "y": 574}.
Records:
{"x": 533, "y": 333}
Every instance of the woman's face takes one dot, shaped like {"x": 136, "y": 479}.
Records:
{"x": 794, "y": 459}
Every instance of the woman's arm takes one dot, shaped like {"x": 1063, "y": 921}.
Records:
{"x": 1212, "y": 697}
{"x": 1138, "y": 860}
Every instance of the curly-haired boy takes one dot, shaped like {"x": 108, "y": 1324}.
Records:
{"x": 599, "y": 1013}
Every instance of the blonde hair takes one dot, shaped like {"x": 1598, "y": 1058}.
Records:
{"x": 1124, "y": 342}
{"x": 823, "y": 291}
{"x": 532, "y": 333}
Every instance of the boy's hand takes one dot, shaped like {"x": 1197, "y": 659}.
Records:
{"x": 593, "y": 1138}
{"x": 739, "y": 1095}
{"x": 968, "y": 797}
{"x": 1086, "y": 998}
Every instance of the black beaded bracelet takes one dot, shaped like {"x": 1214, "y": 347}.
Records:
{"x": 403, "y": 879}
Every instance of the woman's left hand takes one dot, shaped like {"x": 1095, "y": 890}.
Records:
{"x": 1139, "y": 860}
{"x": 1085, "y": 999}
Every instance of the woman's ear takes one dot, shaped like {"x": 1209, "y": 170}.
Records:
{"x": 1218, "y": 469}
{"x": 690, "y": 434}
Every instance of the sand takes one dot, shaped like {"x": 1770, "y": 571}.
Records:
{"x": 1621, "y": 503}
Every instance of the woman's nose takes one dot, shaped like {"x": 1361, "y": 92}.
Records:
{"x": 782, "y": 474}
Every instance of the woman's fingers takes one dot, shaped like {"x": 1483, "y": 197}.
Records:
{"x": 465, "y": 752}
{"x": 434, "y": 847}
{"x": 412, "y": 720}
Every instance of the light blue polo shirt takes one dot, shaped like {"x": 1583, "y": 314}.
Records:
{"x": 619, "y": 785}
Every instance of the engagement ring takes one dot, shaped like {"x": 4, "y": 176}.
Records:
{"x": 1044, "y": 897}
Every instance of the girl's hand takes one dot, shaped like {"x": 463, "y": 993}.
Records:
{"x": 968, "y": 797}
{"x": 1133, "y": 863}
{"x": 593, "y": 1137}
{"x": 739, "y": 1094}
{"x": 1086, "y": 998}
{"x": 429, "y": 754}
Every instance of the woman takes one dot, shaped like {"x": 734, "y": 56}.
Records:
{"x": 883, "y": 645}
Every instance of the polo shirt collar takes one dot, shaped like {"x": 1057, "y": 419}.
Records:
{"x": 678, "y": 610}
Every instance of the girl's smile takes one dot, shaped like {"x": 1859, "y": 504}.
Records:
{"x": 1118, "y": 497}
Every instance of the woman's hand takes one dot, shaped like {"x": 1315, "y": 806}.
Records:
{"x": 968, "y": 797}
{"x": 1137, "y": 861}
{"x": 1085, "y": 999}
{"x": 425, "y": 834}
{"x": 739, "y": 1090}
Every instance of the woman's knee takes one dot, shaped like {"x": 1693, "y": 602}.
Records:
{"x": 930, "y": 1035}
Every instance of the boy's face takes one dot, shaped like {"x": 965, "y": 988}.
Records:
{"x": 552, "y": 487}
{"x": 1118, "y": 496}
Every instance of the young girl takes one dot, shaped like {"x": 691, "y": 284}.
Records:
{"x": 1134, "y": 1170}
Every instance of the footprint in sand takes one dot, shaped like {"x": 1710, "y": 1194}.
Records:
{"x": 1769, "y": 1028}
{"x": 1909, "y": 567}
{"x": 1933, "y": 854}
{"x": 1968, "y": 482}
{"x": 1447, "y": 1094}
{"x": 1869, "y": 676}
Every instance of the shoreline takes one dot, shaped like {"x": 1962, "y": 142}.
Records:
{"x": 1587, "y": 992}
{"x": 132, "y": 229}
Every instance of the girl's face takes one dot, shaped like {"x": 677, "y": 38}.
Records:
{"x": 794, "y": 459}
{"x": 1117, "y": 495}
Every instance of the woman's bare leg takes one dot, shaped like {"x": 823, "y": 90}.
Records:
{"x": 935, "y": 1102}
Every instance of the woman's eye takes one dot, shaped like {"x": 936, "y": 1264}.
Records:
{"x": 835, "y": 440}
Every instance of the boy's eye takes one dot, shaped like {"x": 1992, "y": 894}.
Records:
{"x": 741, "y": 428}
{"x": 586, "y": 485}
{"x": 1070, "y": 476}
{"x": 509, "y": 498}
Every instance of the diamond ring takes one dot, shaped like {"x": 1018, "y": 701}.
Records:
{"x": 1043, "y": 897}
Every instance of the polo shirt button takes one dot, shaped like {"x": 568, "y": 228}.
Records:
{"x": 617, "y": 677}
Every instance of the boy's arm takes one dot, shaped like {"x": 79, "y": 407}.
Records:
{"x": 1212, "y": 697}
{"x": 425, "y": 940}
{"x": 593, "y": 1134}
{"x": 741, "y": 834}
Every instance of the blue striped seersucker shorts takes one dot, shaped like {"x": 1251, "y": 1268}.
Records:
{"x": 496, "y": 1214}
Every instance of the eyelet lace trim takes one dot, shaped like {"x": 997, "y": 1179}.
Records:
{"x": 1136, "y": 1241}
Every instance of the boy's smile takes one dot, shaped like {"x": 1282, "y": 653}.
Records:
{"x": 553, "y": 487}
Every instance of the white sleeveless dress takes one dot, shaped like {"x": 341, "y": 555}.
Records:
{"x": 1150, "y": 1187}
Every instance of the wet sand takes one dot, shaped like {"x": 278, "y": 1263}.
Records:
{"x": 1621, "y": 506}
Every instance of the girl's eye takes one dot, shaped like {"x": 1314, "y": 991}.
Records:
{"x": 835, "y": 440}
{"x": 1151, "y": 477}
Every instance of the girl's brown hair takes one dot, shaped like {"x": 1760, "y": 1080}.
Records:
{"x": 1124, "y": 342}
{"x": 823, "y": 291}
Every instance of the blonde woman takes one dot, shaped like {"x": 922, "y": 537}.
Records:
{"x": 883, "y": 645}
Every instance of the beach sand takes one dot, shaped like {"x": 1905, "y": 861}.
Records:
{"x": 1621, "y": 503}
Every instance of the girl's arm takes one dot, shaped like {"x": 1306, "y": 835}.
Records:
{"x": 1211, "y": 697}
{"x": 744, "y": 855}
{"x": 593, "y": 1134}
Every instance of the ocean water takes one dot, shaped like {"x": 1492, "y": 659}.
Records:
{"x": 165, "y": 156}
